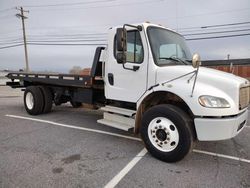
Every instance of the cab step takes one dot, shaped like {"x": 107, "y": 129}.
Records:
{"x": 116, "y": 110}
{"x": 119, "y": 118}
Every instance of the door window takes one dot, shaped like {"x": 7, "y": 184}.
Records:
{"x": 135, "y": 51}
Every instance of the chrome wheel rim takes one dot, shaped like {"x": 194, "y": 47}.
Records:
{"x": 163, "y": 134}
{"x": 29, "y": 100}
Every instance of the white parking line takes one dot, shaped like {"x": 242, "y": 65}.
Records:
{"x": 122, "y": 136}
{"x": 74, "y": 127}
{"x": 115, "y": 180}
{"x": 221, "y": 155}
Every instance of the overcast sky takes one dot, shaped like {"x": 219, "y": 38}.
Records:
{"x": 54, "y": 20}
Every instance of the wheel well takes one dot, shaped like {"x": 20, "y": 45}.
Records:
{"x": 160, "y": 97}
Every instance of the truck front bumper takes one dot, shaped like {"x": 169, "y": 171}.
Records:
{"x": 209, "y": 129}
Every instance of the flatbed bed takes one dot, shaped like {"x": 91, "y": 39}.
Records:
{"x": 23, "y": 79}
{"x": 76, "y": 88}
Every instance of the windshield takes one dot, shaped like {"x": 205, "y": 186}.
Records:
{"x": 168, "y": 48}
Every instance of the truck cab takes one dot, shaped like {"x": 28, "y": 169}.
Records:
{"x": 151, "y": 67}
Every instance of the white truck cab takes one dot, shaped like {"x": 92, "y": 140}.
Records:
{"x": 177, "y": 101}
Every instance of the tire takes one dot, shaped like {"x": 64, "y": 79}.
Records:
{"x": 47, "y": 98}
{"x": 167, "y": 132}
{"x": 33, "y": 100}
{"x": 75, "y": 104}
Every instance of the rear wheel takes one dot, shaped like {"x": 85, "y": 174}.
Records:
{"x": 166, "y": 132}
{"x": 48, "y": 99}
{"x": 33, "y": 100}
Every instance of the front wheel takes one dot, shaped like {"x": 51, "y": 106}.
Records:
{"x": 167, "y": 132}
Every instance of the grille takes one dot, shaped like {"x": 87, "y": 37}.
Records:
{"x": 244, "y": 97}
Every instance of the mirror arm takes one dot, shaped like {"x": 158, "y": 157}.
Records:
{"x": 195, "y": 79}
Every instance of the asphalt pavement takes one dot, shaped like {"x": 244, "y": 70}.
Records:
{"x": 67, "y": 148}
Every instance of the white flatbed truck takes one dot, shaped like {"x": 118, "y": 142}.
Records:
{"x": 146, "y": 80}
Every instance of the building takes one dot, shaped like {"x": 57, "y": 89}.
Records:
{"x": 239, "y": 67}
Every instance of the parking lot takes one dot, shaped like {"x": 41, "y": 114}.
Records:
{"x": 67, "y": 148}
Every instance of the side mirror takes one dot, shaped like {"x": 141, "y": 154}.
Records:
{"x": 196, "y": 60}
{"x": 121, "y": 37}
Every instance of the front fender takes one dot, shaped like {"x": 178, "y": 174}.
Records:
{"x": 184, "y": 89}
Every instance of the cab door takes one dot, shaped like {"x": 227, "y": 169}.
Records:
{"x": 127, "y": 82}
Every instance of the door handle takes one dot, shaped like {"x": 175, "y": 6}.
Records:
{"x": 111, "y": 78}
{"x": 134, "y": 68}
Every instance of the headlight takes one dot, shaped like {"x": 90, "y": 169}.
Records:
{"x": 213, "y": 102}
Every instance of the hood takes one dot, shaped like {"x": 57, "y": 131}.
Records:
{"x": 205, "y": 75}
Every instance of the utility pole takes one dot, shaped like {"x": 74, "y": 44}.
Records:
{"x": 21, "y": 15}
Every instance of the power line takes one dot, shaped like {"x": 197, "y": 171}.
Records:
{"x": 222, "y": 25}
{"x": 8, "y": 43}
{"x": 67, "y": 44}
{"x": 54, "y": 44}
{"x": 10, "y": 46}
{"x": 56, "y": 37}
{"x": 6, "y": 16}
{"x": 80, "y": 39}
{"x": 76, "y": 38}
{"x": 96, "y": 44}
{"x": 65, "y": 39}
{"x": 216, "y": 29}
{"x": 197, "y": 28}
{"x": 216, "y": 32}
{"x": 216, "y": 37}
{"x": 196, "y": 15}
{"x": 100, "y": 35}
{"x": 213, "y": 13}
{"x": 80, "y": 34}
{"x": 67, "y": 4}
{"x": 100, "y": 6}
{"x": 77, "y": 44}
{"x": 218, "y": 25}
{"x": 6, "y": 10}
{"x": 85, "y": 40}
{"x": 53, "y": 41}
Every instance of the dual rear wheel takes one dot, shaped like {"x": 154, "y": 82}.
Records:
{"x": 38, "y": 100}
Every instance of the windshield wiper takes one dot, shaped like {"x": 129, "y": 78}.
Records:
{"x": 175, "y": 59}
